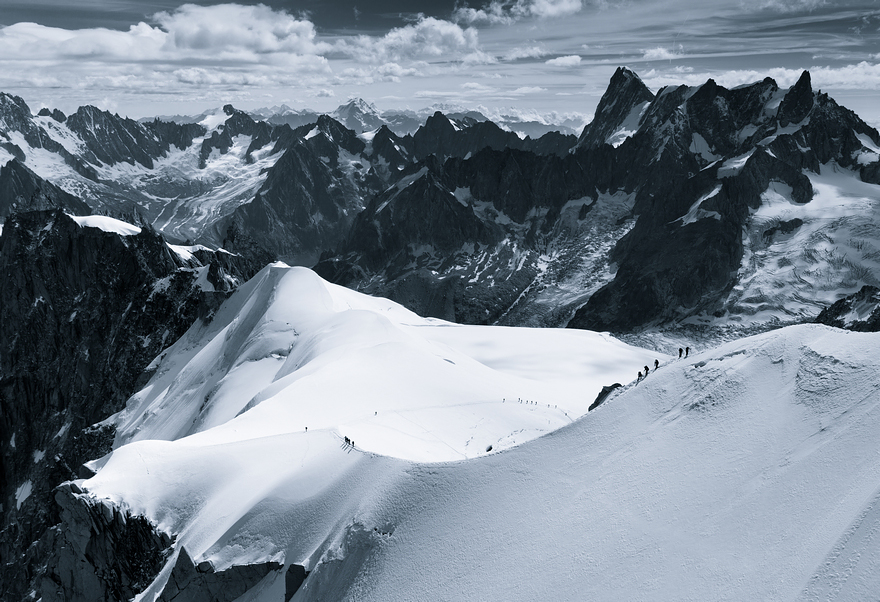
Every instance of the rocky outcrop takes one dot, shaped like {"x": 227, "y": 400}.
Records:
{"x": 112, "y": 139}
{"x": 603, "y": 395}
{"x": 54, "y": 114}
{"x": 201, "y": 583}
{"x": 797, "y": 103}
{"x": 23, "y": 190}
{"x": 859, "y": 312}
{"x": 100, "y": 551}
{"x": 82, "y": 314}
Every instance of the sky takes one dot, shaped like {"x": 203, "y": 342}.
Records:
{"x": 546, "y": 58}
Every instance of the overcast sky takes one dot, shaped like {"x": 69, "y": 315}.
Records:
{"x": 164, "y": 57}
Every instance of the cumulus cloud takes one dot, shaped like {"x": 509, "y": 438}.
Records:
{"x": 229, "y": 32}
{"x": 572, "y": 60}
{"x": 222, "y": 47}
{"x": 509, "y": 11}
{"x": 393, "y": 72}
{"x": 426, "y": 38}
{"x": 224, "y": 27}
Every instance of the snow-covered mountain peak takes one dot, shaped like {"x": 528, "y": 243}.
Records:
{"x": 411, "y": 387}
{"x": 678, "y": 465}
{"x": 357, "y": 105}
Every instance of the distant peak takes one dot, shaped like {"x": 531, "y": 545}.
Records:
{"x": 358, "y": 104}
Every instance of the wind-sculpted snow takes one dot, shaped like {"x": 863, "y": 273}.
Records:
{"x": 290, "y": 351}
{"x": 720, "y": 476}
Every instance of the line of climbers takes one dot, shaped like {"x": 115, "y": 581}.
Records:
{"x": 685, "y": 351}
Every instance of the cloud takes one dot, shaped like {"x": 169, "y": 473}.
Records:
{"x": 572, "y": 60}
{"x": 228, "y": 27}
{"x": 478, "y": 88}
{"x": 528, "y": 90}
{"x": 786, "y": 6}
{"x": 860, "y": 76}
{"x": 508, "y": 11}
{"x": 427, "y": 38}
{"x": 228, "y": 32}
{"x": 524, "y": 52}
{"x": 393, "y": 72}
{"x": 661, "y": 54}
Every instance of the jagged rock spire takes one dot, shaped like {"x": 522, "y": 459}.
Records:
{"x": 625, "y": 92}
{"x": 797, "y": 102}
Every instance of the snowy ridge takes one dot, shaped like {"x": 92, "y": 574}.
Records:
{"x": 107, "y": 224}
{"x": 279, "y": 345}
{"x": 716, "y": 478}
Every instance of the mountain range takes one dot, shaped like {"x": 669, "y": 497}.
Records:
{"x": 160, "y": 359}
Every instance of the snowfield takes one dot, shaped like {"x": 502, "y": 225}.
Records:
{"x": 748, "y": 472}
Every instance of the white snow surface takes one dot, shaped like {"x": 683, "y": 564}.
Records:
{"x": 748, "y": 472}
{"x": 107, "y": 224}
{"x": 296, "y": 352}
{"x": 629, "y": 126}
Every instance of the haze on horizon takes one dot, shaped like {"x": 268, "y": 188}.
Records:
{"x": 543, "y": 56}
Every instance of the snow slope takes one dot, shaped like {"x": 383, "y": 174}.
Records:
{"x": 751, "y": 471}
{"x": 297, "y": 352}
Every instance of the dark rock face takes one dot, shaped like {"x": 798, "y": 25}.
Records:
{"x": 82, "y": 314}
{"x": 100, "y": 552}
{"x": 190, "y": 583}
{"x": 603, "y": 395}
{"x": 695, "y": 167}
{"x": 670, "y": 266}
{"x": 173, "y": 134}
{"x": 112, "y": 139}
{"x": 797, "y": 103}
{"x": 23, "y": 190}
{"x": 625, "y": 93}
{"x": 859, "y": 312}
{"x": 304, "y": 204}
{"x": 54, "y": 114}
{"x": 418, "y": 211}
{"x": 293, "y": 579}
{"x": 444, "y": 137}
{"x": 15, "y": 115}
